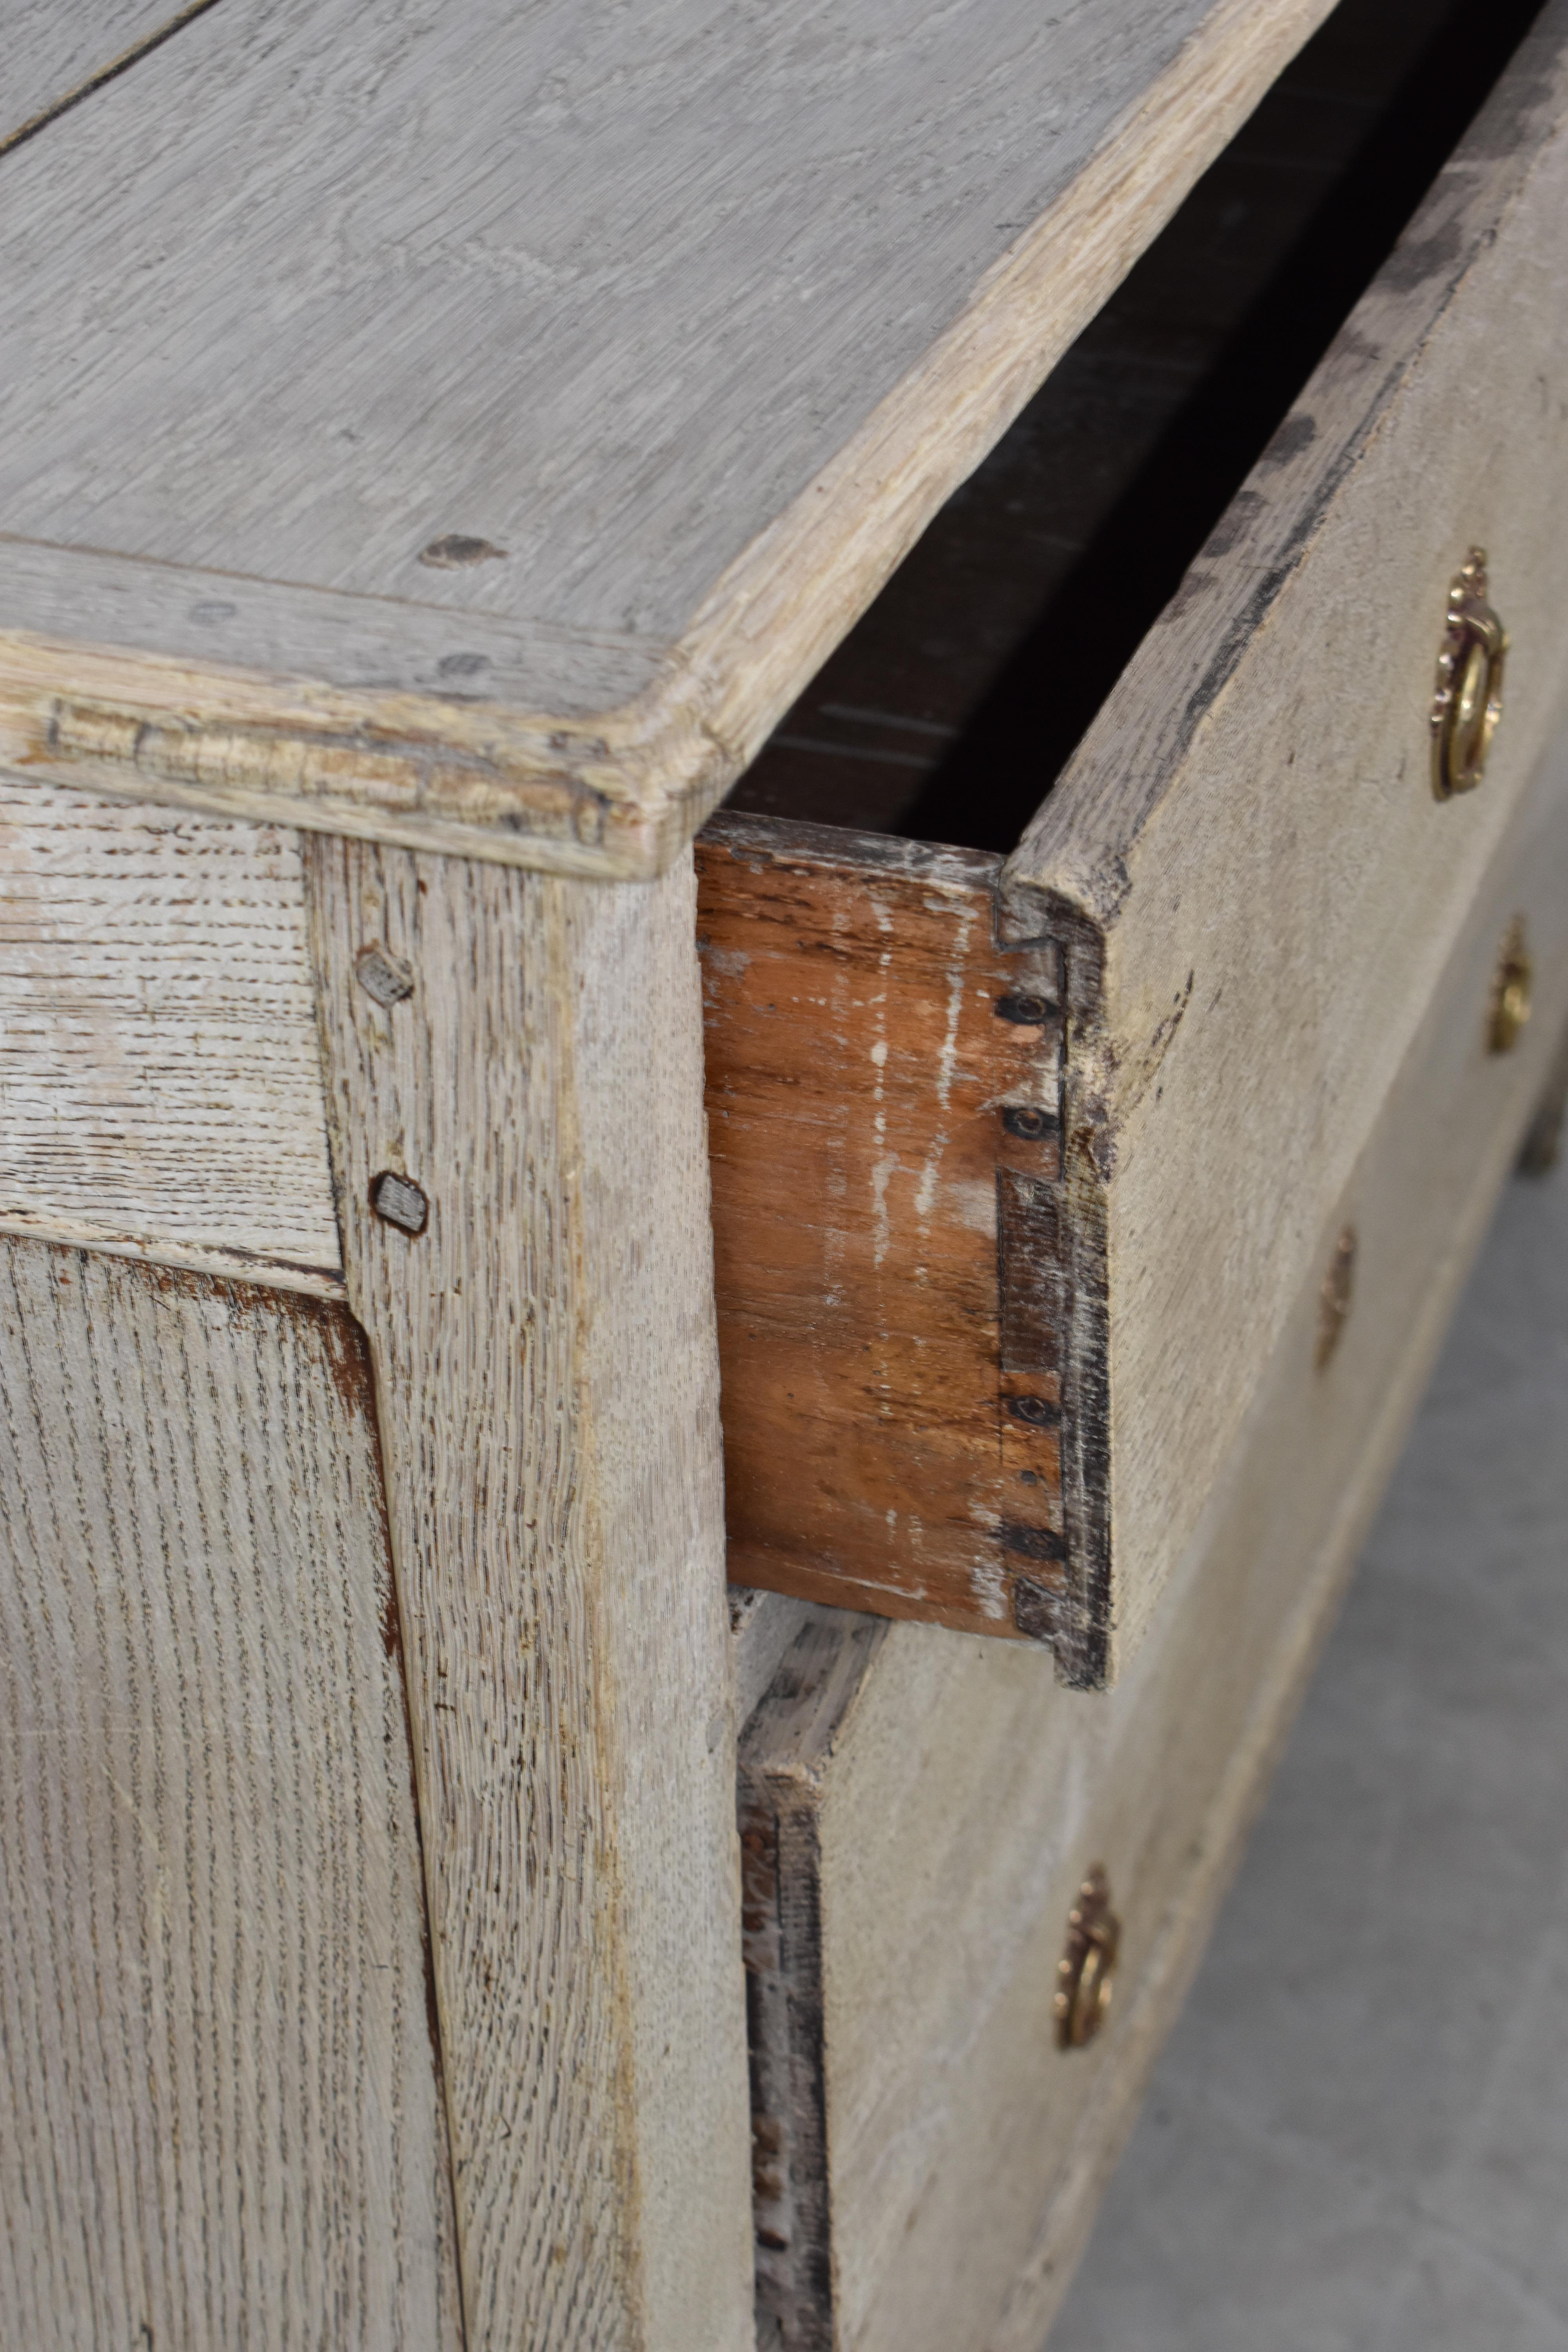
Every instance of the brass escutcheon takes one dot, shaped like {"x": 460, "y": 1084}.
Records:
{"x": 1088, "y": 1963}
{"x": 1468, "y": 702}
{"x": 1334, "y": 1296}
{"x": 1511, "y": 984}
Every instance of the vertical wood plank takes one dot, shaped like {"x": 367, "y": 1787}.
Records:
{"x": 521, "y": 1057}
{"x": 222, "y": 2113}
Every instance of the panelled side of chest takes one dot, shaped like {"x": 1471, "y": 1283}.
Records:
{"x": 261, "y": 1433}
{"x": 206, "y": 1721}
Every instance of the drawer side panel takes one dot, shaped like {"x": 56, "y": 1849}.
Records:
{"x": 885, "y": 1131}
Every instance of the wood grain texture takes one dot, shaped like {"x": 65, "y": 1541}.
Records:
{"x": 1255, "y": 888}
{"x": 918, "y": 1811}
{"x": 546, "y": 1376}
{"x": 884, "y": 1131}
{"x": 686, "y": 330}
{"x": 223, "y": 2121}
{"x": 160, "y": 1070}
{"x": 52, "y": 53}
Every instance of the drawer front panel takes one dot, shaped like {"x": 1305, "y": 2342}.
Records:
{"x": 918, "y": 1814}
{"x": 1253, "y": 883}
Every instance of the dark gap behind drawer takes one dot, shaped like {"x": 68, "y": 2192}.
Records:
{"x": 949, "y": 708}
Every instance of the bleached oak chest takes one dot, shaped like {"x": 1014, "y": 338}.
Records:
{"x": 999, "y": 1193}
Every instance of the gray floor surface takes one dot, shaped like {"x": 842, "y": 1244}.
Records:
{"x": 1357, "y": 2137}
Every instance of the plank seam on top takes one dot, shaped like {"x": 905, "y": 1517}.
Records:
{"x": 110, "y": 72}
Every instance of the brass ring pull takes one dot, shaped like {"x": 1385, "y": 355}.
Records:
{"x": 1468, "y": 703}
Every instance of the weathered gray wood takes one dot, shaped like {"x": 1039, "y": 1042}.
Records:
{"x": 934, "y": 1803}
{"x": 222, "y": 2115}
{"x": 761, "y": 1627}
{"x": 51, "y": 52}
{"x": 160, "y": 1069}
{"x": 546, "y": 1373}
{"x": 1255, "y": 884}
{"x": 683, "y": 330}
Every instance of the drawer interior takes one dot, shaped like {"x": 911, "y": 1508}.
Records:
{"x": 913, "y": 1424}
{"x": 947, "y": 712}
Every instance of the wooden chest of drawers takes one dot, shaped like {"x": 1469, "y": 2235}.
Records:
{"x": 445, "y": 454}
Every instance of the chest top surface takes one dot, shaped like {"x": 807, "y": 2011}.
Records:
{"x": 546, "y": 388}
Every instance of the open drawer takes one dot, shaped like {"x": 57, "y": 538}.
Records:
{"x": 1021, "y": 1160}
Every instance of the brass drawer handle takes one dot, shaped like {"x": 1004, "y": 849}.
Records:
{"x": 1468, "y": 703}
{"x": 1087, "y": 1965}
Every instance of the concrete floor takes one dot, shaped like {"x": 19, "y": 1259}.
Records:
{"x": 1357, "y": 2138}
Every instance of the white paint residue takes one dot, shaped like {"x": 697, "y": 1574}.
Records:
{"x": 925, "y": 1190}
{"x": 948, "y": 1059}
{"x": 881, "y": 1175}
{"x": 972, "y": 1200}
{"x": 886, "y": 1161}
{"x": 836, "y": 1004}
{"x": 947, "y": 1062}
{"x": 989, "y": 1587}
